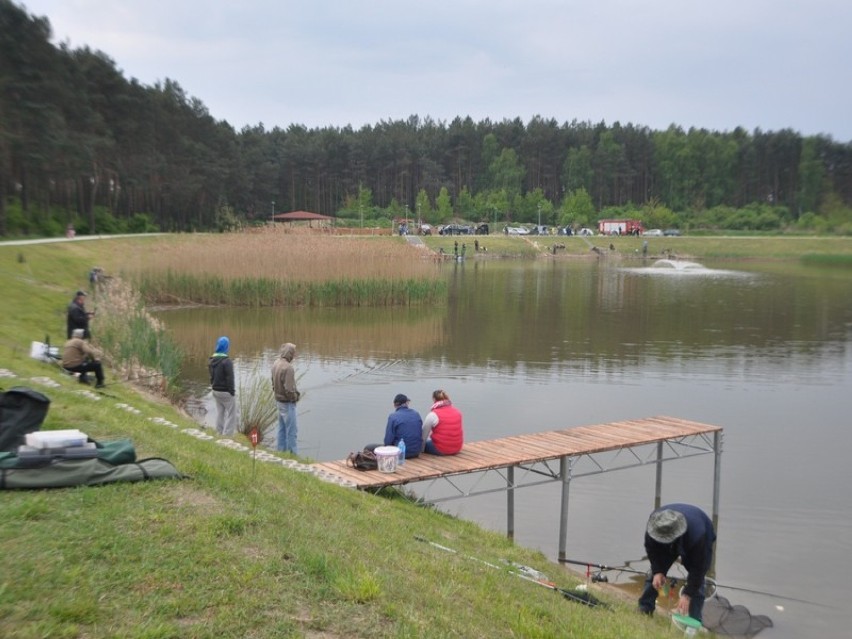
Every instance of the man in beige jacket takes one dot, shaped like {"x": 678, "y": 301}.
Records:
{"x": 286, "y": 396}
{"x": 79, "y": 356}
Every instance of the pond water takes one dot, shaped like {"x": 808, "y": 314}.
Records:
{"x": 763, "y": 350}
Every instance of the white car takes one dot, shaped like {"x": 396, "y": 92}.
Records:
{"x": 517, "y": 230}
{"x": 586, "y": 232}
{"x": 654, "y": 233}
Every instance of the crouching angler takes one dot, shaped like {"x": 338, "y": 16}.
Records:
{"x": 78, "y": 356}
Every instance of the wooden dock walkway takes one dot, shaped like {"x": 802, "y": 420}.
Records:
{"x": 531, "y": 459}
{"x": 521, "y": 450}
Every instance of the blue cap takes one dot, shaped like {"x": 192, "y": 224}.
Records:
{"x": 223, "y": 344}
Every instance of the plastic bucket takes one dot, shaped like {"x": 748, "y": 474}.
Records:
{"x": 387, "y": 458}
{"x": 690, "y": 626}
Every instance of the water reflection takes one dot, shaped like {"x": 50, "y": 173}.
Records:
{"x": 760, "y": 349}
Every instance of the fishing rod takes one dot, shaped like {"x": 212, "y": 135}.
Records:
{"x": 526, "y": 573}
{"x": 709, "y": 583}
{"x": 126, "y": 381}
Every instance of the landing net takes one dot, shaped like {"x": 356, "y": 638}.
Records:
{"x": 723, "y": 618}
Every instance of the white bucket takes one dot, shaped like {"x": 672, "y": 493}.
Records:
{"x": 386, "y": 458}
{"x": 43, "y": 352}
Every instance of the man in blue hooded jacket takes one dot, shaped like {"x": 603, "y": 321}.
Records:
{"x": 222, "y": 381}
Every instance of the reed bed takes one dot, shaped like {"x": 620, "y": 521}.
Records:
{"x": 838, "y": 261}
{"x": 257, "y": 407}
{"x": 286, "y": 269}
{"x": 136, "y": 344}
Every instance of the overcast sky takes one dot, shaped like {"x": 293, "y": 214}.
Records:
{"x": 719, "y": 64}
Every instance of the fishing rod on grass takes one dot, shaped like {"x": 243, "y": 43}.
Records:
{"x": 710, "y": 585}
{"x": 136, "y": 379}
{"x": 526, "y": 573}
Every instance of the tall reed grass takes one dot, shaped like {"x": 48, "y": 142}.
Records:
{"x": 838, "y": 261}
{"x": 136, "y": 344}
{"x": 286, "y": 269}
{"x": 257, "y": 407}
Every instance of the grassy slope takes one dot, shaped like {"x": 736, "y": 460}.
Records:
{"x": 746, "y": 247}
{"x": 238, "y": 550}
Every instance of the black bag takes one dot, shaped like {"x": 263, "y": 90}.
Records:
{"x": 363, "y": 460}
{"x": 22, "y": 411}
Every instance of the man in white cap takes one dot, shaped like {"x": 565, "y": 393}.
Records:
{"x": 678, "y": 530}
{"x": 78, "y": 356}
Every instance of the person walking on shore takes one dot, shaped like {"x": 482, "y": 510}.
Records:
{"x": 286, "y": 397}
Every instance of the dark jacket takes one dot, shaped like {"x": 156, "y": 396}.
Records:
{"x": 221, "y": 373}
{"x": 694, "y": 547}
{"x": 405, "y": 423}
{"x": 78, "y": 317}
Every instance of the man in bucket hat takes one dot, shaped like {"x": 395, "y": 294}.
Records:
{"x": 678, "y": 530}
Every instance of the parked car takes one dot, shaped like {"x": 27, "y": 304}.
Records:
{"x": 654, "y": 233}
{"x": 672, "y": 232}
{"x": 516, "y": 230}
{"x": 482, "y": 229}
{"x": 540, "y": 230}
{"x": 425, "y": 229}
{"x": 565, "y": 230}
{"x": 454, "y": 229}
{"x": 586, "y": 232}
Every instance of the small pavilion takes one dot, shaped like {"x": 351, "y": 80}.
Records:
{"x": 322, "y": 221}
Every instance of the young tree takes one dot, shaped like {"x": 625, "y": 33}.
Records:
{"x": 423, "y": 207}
{"x": 577, "y": 209}
{"x": 444, "y": 205}
{"x": 507, "y": 172}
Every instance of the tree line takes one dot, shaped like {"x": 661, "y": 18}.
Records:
{"x": 82, "y": 144}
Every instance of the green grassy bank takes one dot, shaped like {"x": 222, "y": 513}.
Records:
{"x": 837, "y": 250}
{"x": 237, "y": 549}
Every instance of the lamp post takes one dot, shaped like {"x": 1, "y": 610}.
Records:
{"x": 539, "y": 217}
{"x": 272, "y": 217}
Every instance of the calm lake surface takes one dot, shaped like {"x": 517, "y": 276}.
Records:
{"x": 763, "y": 350}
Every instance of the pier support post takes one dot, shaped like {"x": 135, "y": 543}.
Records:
{"x": 658, "y": 488}
{"x": 717, "y": 476}
{"x": 510, "y": 503}
{"x": 565, "y": 470}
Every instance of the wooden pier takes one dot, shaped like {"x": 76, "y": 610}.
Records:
{"x": 558, "y": 455}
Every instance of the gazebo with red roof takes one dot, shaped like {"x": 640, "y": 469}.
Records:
{"x": 304, "y": 216}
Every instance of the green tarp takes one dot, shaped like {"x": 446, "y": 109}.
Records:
{"x": 22, "y": 411}
{"x": 63, "y": 473}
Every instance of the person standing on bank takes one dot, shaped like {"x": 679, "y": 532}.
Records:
{"x": 286, "y": 396}
{"x": 221, "y": 370}
{"x": 678, "y": 530}
{"x": 443, "y": 433}
{"x": 78, "y": 316}
{"x": 78, "y": 356}
{"x": 405, "y": 423}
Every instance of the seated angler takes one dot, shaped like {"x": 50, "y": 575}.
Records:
{"x": 78, "y": 356}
